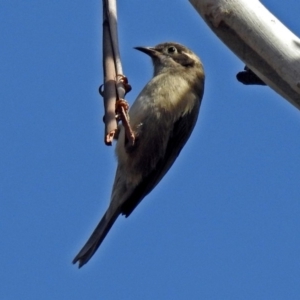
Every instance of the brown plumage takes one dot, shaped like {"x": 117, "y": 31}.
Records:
{"x": 162, "y": 118}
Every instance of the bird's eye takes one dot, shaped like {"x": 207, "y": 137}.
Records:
{"x": 172, "y": 49}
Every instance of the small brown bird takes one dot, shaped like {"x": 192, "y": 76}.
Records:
{"x": 162, "y": 118}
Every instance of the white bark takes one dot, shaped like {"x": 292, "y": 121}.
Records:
{"x": 259, "y": 39}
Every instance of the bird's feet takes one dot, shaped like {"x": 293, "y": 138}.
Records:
{"x": 122, "y": 115}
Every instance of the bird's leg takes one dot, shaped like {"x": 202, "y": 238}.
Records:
{"x": 122, "y": 107}
{"x": 122, "y": 115}
{"x": 123, "y": 87}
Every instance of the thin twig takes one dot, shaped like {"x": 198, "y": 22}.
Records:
{"x": 109, "y": 93}
{"x": 116, "y": 84}
{"x": 113, "y": 26}
{"x": 111, "y": 9}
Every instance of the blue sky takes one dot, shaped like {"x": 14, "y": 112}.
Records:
{"x": 225, "y": 221}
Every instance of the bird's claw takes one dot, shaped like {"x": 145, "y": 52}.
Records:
{"x": 122, "y": 106}
{"x": 124, "y": 80}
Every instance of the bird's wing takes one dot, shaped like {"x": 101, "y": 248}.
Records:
{"x": 182, "y": 130}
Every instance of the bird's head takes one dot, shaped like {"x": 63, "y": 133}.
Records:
{"x": 171, "y": 55}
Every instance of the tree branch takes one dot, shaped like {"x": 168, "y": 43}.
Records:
{"x": 259, "y": 39}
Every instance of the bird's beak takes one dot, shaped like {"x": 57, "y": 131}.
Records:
{"x": 152, "y": 52}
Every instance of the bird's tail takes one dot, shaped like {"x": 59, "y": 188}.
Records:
{"x": 97, "y": 237}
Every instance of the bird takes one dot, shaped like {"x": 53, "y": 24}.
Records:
{"x": 162, "y": 118}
